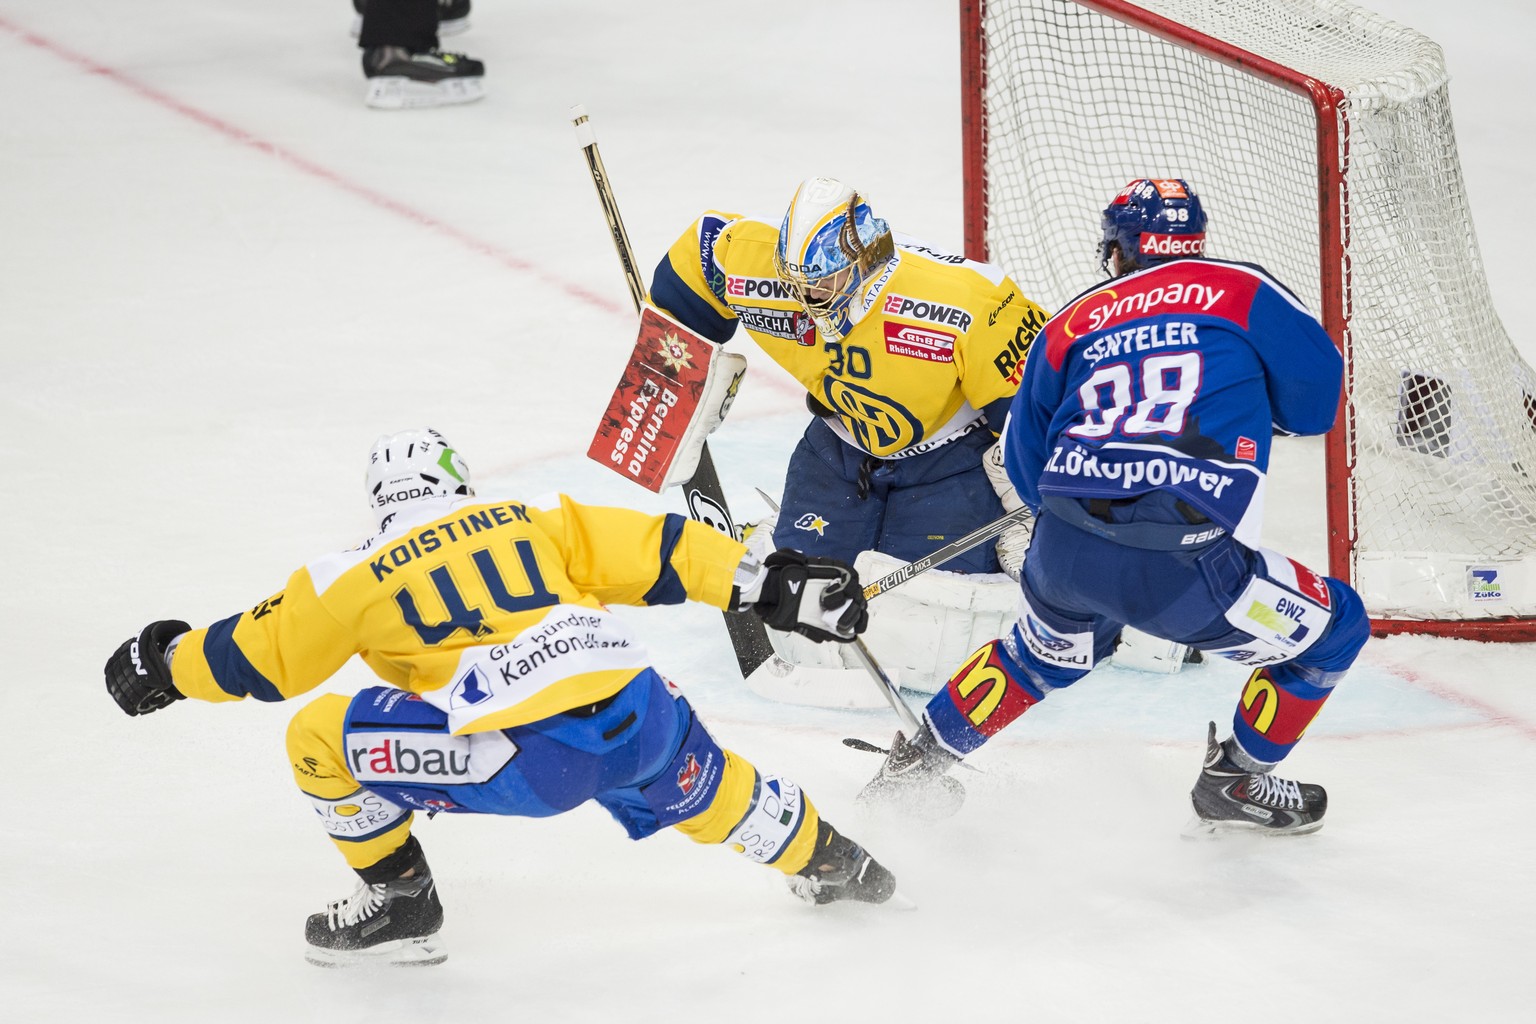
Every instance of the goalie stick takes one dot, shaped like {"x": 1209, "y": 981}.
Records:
{"x": 702, "y": 491}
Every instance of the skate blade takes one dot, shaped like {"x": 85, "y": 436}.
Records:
{"x": 420, "y": 952}
{"x": 900, "y": 901}
{"x": 392, "y": 92}
{"x": 1200, "y": 828}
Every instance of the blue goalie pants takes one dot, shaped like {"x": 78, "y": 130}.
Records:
{"x": 909, "y": 507}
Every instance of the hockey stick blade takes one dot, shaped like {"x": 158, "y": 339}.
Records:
{"x": 864, "y": 745}
{"x": 869, "y": 748}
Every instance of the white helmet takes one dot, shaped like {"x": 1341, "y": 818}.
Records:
{"x": 830, "y": 246}
{"x": 412, "y": 466}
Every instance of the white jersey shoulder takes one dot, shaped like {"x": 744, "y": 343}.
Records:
{"x": 327, "y": 569}
{"x": 922, "y": 250}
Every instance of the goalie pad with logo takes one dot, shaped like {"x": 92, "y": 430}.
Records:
{"x": 676, "y": 389}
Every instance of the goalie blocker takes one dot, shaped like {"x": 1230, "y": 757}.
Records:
{"x": 676, "y": 389}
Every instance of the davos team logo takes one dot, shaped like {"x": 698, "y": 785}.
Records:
{"x": 879, "y": 424}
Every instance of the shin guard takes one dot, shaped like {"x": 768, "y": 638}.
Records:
{"x": 984, "y": 695}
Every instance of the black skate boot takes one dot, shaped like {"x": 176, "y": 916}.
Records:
{"x": 393, "y": 922}
{"x": 912, "y": 778}
{"x": 452, "y": 17}
{"x": 840, "y": 869}
{"x": 398, "y": 79}
{"x": 1228, "y": 798}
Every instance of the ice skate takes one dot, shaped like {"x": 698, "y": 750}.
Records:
{"x": 841, "y": 869}
{"x": 399, "y": 79}
{"x": 912, "y": 779}
{"x": 1229, "y": 799}
{"x": 391, "y": 923}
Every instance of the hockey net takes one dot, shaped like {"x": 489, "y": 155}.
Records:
{"x": 1319, "y": 135}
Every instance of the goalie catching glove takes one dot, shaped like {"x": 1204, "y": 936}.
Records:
{"x": 139, "y": 672}
{"x": 819, "y": 598}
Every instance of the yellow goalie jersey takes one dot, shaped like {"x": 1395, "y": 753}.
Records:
{"x": 492, "y": 611}
{"x": 935, "y": 339}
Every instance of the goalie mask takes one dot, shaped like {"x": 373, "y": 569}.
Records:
{"x": 411, "y": 466}
{"x": 830, "y": 247}
{"x": 1152, "y": 220}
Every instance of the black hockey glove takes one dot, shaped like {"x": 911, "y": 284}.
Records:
{"x": 137, "y": 675}
{"x": 820, "y": 598}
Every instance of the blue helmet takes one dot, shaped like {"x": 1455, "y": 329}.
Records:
{"x": 830, "y": 245}
{"x": 1154, "y": 219}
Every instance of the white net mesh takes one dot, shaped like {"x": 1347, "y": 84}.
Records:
{"x": 1078, "y": 103}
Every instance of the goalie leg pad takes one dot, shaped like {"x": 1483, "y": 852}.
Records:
{"x": 1147, "y": 653}
{"x": 922, "y": 629}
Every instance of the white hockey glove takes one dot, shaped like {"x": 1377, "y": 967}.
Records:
{"x": 1147, "y": 653}
{"x": 1014, "y": 540}
{"x": 819, "y": 598}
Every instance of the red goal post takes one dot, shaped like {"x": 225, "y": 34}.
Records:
{"x": 1320, "y": 135}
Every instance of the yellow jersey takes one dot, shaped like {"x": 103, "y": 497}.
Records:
{"x": 934, "y": 339}
{"x": 454, "y": 583}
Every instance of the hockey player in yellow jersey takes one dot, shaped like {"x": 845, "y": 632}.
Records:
{"x": 512, "y": 689}
{"x": 909, "y": 356}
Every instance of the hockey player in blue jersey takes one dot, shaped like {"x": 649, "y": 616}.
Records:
{"x": 1140, "y": 436}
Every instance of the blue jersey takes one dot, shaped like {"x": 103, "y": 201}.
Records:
{"x": 1172, "y": 379}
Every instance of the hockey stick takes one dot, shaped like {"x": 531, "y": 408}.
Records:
{"x": 702, "y": 491}
{"x": 887, "y": 688}
{"x": 973, "y": 539}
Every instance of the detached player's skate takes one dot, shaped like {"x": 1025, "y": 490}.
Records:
{"x": 1228, "y": 798}
{"x": 398, "y": 78}
{"x": 912, "y": 778}
{"x": 387, "y": 923}
{"x": 841, "y": 869}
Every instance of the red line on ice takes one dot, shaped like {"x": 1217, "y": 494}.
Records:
{"x": 309, "y": 167}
